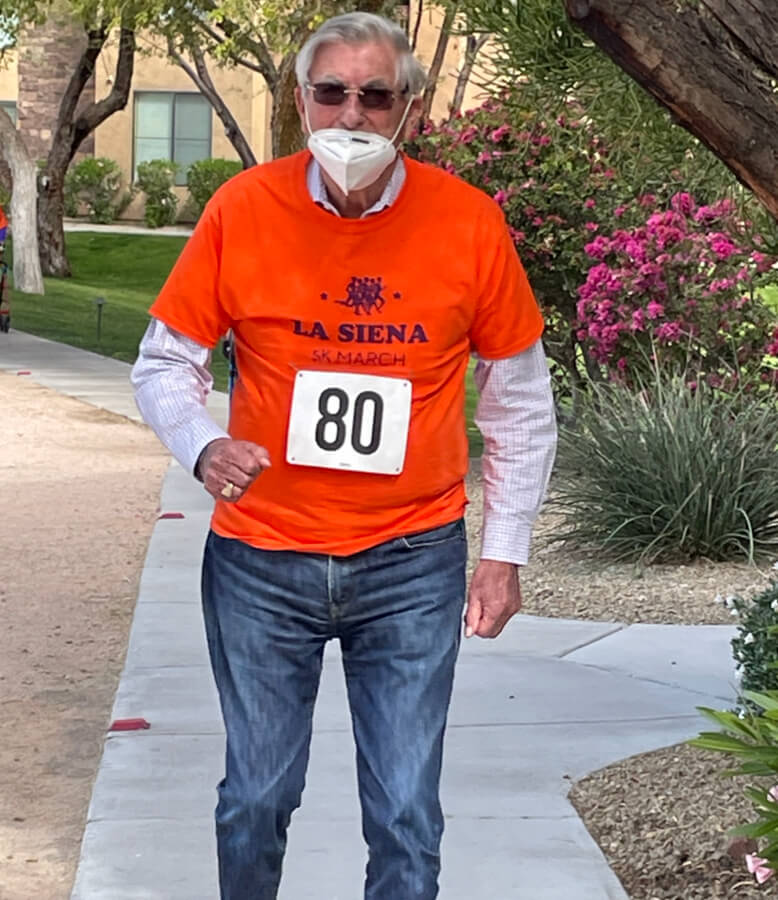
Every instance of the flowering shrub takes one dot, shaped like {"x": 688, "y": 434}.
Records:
{"x": 94, "y": 183}
{"x": 681, "y": 286}
{"x": 552, "y": 179}
{"x": 674, "y": 273}
{"x": 155, "y": 179}
{"x": 752, "y": 738}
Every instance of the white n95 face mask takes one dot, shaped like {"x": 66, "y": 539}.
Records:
{"x": 353, "y": 159}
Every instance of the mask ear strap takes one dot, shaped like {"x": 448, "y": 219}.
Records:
{"x": 405, "y": 116}
{"x": 307, "y": 117}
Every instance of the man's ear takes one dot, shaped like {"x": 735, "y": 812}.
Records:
{"x": 412, "y": 120}
{"x": 299, "y": 104}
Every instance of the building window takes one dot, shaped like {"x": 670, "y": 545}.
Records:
{"x": 9, "y": 106}
{"x": 171, "y": 126}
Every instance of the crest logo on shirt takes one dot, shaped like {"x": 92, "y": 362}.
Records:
{"x": 365, "y": 295}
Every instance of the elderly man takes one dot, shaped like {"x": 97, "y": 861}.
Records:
{"x": 357, "y": 283}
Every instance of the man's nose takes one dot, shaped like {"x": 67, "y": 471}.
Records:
{"x": 351, "y": 113}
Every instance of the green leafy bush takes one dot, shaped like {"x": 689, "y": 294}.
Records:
{"x": 156, "y": 178}
{"x": 755, "y": 646}
{"x": 206, "y": 175}
{"x": 95, "y": 183}
{"x": 662, "y": 472}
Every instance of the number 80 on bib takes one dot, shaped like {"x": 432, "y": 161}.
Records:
{"x": 343, "y": 420}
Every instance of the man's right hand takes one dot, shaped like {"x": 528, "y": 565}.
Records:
{"x": 228, "y": 467}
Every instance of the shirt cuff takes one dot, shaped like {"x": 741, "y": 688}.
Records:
{"x": 506, "y": 539}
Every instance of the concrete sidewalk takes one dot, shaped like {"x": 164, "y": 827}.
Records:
{"x": 545, "y": 704}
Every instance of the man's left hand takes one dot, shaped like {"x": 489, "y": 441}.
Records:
{"x": 495, "y": 596}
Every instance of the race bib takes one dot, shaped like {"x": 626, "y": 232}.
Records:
{"x": 342, "y": 420}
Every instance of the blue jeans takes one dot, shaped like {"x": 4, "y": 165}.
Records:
{"x": 397, "y": 611}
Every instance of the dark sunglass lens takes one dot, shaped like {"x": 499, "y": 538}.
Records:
{"x": 329, "y": 94}
{"x": 376, "y": 98}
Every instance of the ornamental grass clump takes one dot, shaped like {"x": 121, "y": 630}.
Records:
{"x": 659, "y": 472}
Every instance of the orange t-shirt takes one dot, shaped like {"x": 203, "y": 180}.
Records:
{"x": 3, "y": 220}
{"x": 406, "y": 293}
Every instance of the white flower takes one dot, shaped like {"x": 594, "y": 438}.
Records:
{"x": 775, "y": 565}
{"x": 730, "y": 601}
{"x": 741, "y": 714}
{"x": 774, "y": 606}
{"x": 749, "y": 638}
{"x": 733, "y": 612}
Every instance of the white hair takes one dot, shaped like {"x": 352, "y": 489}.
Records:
{"x": 363, "y": 28}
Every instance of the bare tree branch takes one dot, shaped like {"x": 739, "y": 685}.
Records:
{"x": 473, "y": 48}
{"x": 437, "y": 60}
{"x": 417, "y": 25}
{"x": 255, "y": 46}
{"x": 201, "y": 77}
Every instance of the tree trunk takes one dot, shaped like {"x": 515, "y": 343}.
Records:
{"x": 202, "y": 78}
{"x": 437, "y": 60}
{"x": 712, "y": 63}
{"x": 287, "y": 135}
{"x": 26, "y": 266}
{"x": 472, "y": 49}
{"x": 70, "y": 131}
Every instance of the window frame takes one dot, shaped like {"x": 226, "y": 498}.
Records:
{"x": 13, "y": 112}
{"x": 137, "y": 95}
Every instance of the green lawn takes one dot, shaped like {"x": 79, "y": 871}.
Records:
{"x": 127, "y": 271}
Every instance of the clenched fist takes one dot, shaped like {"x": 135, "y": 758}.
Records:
{"x": 229, "y": 467}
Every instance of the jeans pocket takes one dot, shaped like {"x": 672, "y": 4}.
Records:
{"x": 454, "y": 531}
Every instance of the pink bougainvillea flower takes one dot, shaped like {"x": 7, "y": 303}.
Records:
{"x": 683, "y": 203}
{"x": 654, "y": 310}
{"x": 499, "y": 133}
{"x": 669, "y": 331}
{"x": 759, "y": 868}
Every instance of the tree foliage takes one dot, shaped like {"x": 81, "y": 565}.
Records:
{"x": 534, "y": 42}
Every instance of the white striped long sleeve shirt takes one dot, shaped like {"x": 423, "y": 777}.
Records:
{"x": 515, "y": 413}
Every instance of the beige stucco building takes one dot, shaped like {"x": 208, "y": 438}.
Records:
{"x": 166, "y": 116}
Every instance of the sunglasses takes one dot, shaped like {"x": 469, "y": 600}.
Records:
{"x": 330, "y": 93}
